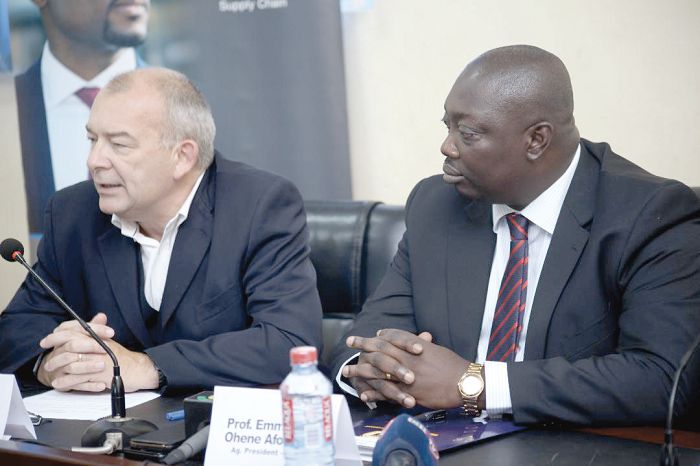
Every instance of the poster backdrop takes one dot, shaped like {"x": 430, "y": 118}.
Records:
{"x": 272, "y": 71}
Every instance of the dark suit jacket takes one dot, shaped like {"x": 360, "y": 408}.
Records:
{"x": 34, "y": 137}
{"x": 240, "y": 292}
{"x": 617, "y": 304}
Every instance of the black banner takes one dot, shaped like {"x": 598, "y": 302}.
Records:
{"x": 273, "y": 72}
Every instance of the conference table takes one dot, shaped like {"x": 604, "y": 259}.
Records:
{"x": 633, "y": 446}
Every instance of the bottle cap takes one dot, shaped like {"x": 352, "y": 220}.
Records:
{"x": 303, "y": 355}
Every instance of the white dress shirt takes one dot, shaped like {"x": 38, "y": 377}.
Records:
{"x": 67, "y": 115}
{"x": 155, "y": 255}
{"x": 542, "y": 213}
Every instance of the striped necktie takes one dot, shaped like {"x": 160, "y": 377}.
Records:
{"x": 510, "y": 307}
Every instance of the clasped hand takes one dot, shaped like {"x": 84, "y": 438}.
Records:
{"x": 77, "y": 362}
{"x": 405, "y": 368}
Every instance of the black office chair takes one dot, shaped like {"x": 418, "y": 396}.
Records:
{"x": 352, "y": 243}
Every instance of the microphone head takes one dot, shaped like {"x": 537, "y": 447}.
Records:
{"x": 9, "y": 247}
{"x": 405, "y": 442}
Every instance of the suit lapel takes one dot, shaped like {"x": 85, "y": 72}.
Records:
{"x": 568, "y": 242}
{"x": 470, "y": 246}
{"x": 119, "y": 257}
{"x": 191, "y": 245}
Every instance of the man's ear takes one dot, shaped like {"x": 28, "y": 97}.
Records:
{"x": 187, "y": 156}
{"x": 539, "y": 137}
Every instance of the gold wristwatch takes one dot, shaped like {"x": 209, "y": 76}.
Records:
{"x": 470, "y": 386}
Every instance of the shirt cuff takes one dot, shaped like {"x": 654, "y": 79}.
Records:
{"x": 346, "y": 387}
{"x": 498, "y": 400}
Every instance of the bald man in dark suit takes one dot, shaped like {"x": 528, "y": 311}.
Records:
{"x": 542, "y": 275}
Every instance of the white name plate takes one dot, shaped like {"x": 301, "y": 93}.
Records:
{"x": 246, "y": 428}
{"x": 14, "y": 420}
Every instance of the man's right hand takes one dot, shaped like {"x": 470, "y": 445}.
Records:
{"x": 378, "y": 374}
{"x": 75, "y": 356}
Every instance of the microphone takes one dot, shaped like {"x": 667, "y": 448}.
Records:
{"x": 190, "y": 447}
{"x": 405, "y": 442}
{"x": 95, "y": 436}
{"x": 669, "y": 456}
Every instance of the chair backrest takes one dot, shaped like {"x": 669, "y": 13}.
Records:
{"x": 352, "y": 243}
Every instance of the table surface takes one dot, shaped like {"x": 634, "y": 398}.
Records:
{"x": 529, "y": 447}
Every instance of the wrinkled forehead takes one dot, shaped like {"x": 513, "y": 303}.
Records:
{"x": 130, "y": 110}
{"x": 141, "y": 95}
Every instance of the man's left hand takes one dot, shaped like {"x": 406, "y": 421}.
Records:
{"x": 137, "y": 369}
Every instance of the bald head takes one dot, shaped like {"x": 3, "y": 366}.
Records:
{"x": 186, "y": 112}
{"x": 511, "y": 126}
{"x": 524, "y": 81}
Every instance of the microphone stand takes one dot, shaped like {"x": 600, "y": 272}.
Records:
{"x": 669, "y": 456}
{"x": 116, "y": 429}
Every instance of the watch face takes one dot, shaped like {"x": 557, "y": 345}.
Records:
{"x": 471, "y": 385}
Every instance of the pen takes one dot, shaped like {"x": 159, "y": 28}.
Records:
{"x": 432, "y": 416}
{"x": 175, "y": 415}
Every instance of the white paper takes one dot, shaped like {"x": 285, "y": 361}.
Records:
{"x": 80, "y": 405}
{"x": 366, "y": 447}
{"x": 14, "y": 420}
{"x": 246, "y": 428}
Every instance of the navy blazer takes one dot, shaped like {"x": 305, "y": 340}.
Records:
{"x": 240, "y": 291}
{"x": 616, "y": 306}
{"x": 34, "y": 136}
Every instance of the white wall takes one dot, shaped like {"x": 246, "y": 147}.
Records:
{"x": 635, "y": 67}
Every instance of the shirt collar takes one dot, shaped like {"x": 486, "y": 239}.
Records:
{"x": 544, "y": 210}
{"x": 131, "y": 229}
{"x": 58, "y": 82}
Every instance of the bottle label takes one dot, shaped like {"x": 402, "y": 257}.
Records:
{"x": 327, "y": 419}
{"x": 307, "y": 421}
{"x": 288, "y": 420}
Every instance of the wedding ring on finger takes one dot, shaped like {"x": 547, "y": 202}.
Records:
{"x": 80, "y": 357}
{"x": 388, "y": 376}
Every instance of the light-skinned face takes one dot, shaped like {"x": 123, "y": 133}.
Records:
{"x": 134, "y": 174}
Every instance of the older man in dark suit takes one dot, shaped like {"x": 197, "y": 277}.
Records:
{"x": 194, "y": 269}
{"x": 544, "y": 275}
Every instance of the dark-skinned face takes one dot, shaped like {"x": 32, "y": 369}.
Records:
{"x": 485, "y": 147}
{"x": 112, "y": 23}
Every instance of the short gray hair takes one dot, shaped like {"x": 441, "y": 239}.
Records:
{"x": 187, "y": 114}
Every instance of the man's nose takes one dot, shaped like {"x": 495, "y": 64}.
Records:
{"x": 97, "y": 158}
{"x": 448, "y": 148}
